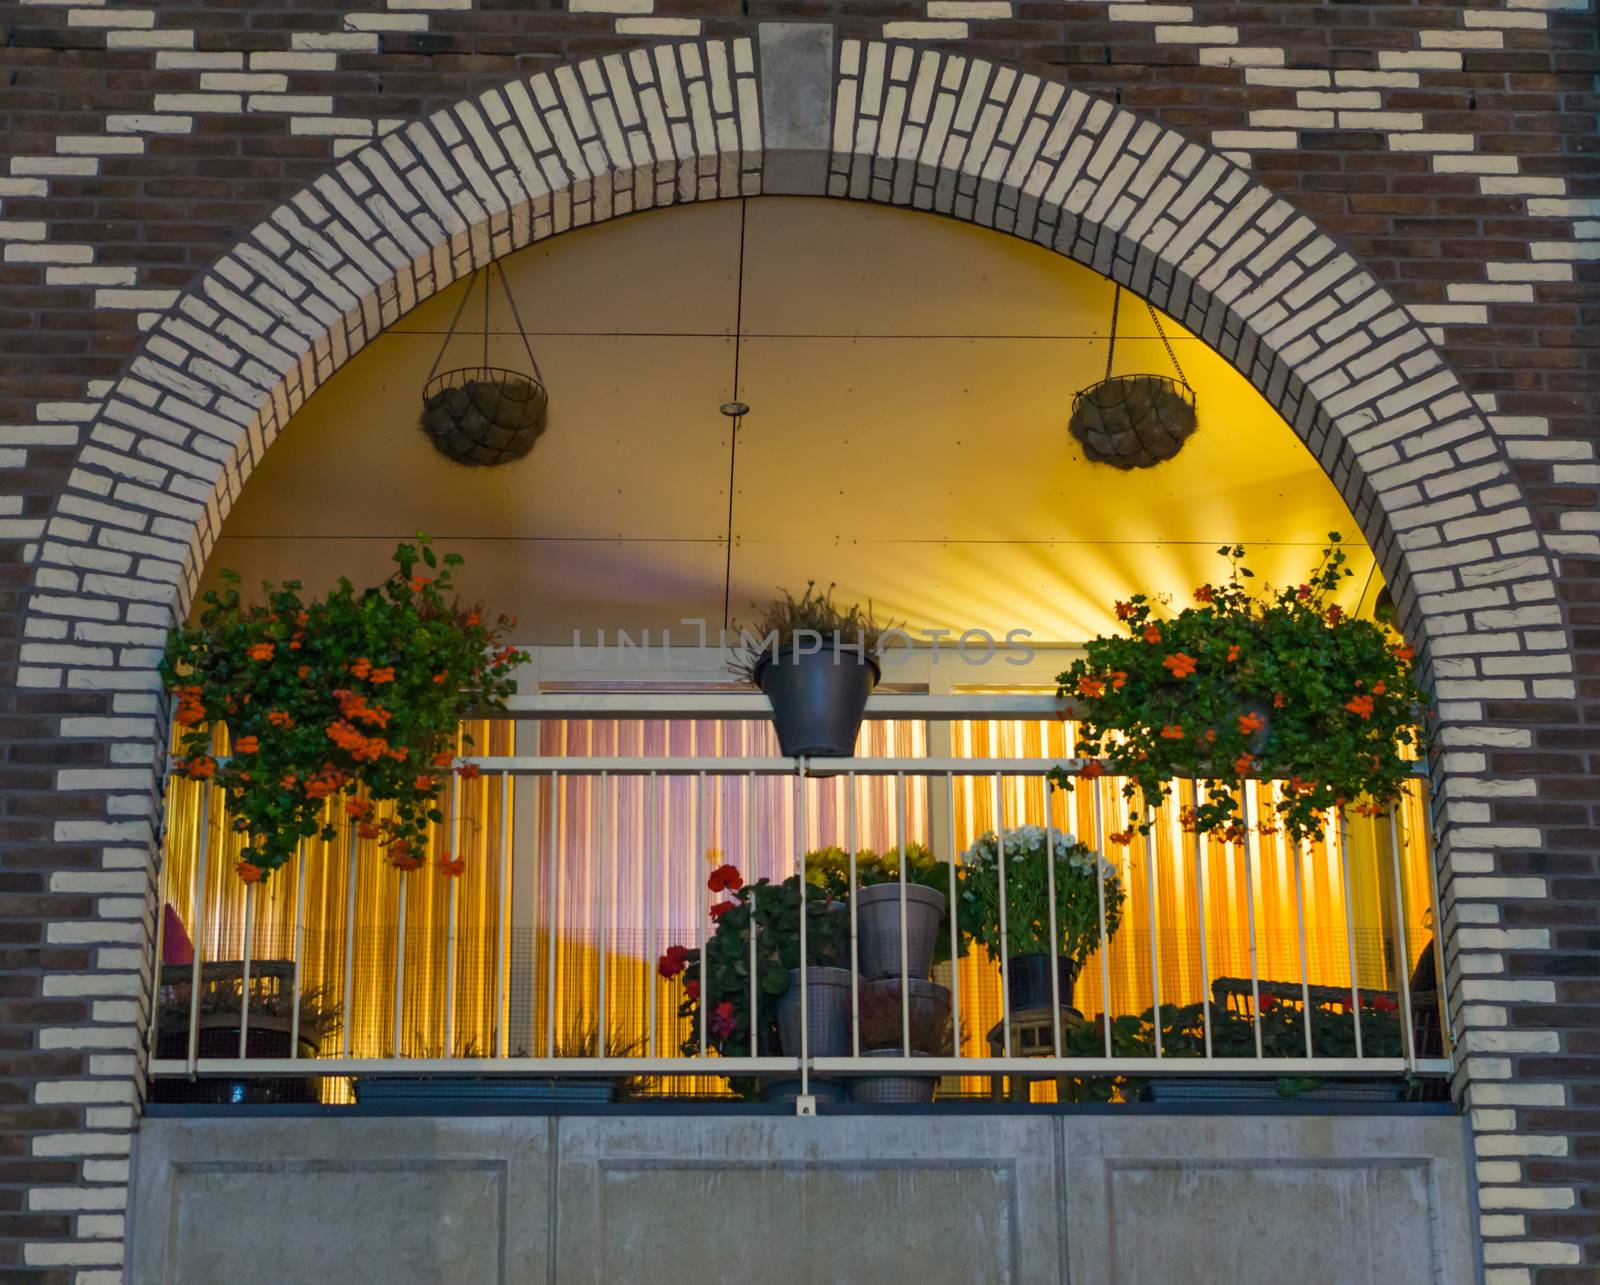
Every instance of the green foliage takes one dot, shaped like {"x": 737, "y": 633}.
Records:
{"x": 785, "y": 618}
{"x": 359, "y": 693}
{"x": 1278, "y": 685}
{"x": 774, "y": 909}
{"x": 1079, "y": 871}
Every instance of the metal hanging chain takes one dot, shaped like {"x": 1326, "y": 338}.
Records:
{"x": 1167, "y": 343}
{"x": 1111, "y": 347}
{"x": 517, "y": 317}
{"x": 450, "y": 333}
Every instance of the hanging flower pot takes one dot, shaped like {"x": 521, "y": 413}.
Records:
{"x": 484, "y": 415}
{"x": 817, "y": 664}
{"x": 1134, "y": 421}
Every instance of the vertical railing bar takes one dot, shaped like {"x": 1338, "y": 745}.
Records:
{"x": 1202, "y": 868}
{"x": 399, "y": 961}
{"x": 299, "y": 945}
{"x": 800, "y": 868}
{"x": 502, "y": 961}
{"x": 652, "y": 933}
{"x": 1000, "y": 865}
{"x": 197, "y": 903}
{"x": 955, "y": 955}
{"x": 1350, "y": 930}
{"x": 1100, "y": 906}
{"x": 1408, "y": 1032}
{"x": 851, "y": 820}
{"x": 750, "y": 867}
{"x": 905, "y": 957}
{"x": 1152, "y": 911}
{"x": 702, "y": 896}
{"x": 1050, "y": 894}
{"x": 599, "y": 848}
{"x": 244, "y": 968}
{"x": 163, "y": 880}
{"x": 1441, "y": 1003}
{"x": 1250, "y": 912}
{"x": 551, "y": 906}
{"x": 450, "y": 916}
{"x": 1297, "y": 854}
{"x": 349, "y": 940}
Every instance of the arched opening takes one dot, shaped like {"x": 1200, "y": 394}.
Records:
{"x": 908, "y": 382}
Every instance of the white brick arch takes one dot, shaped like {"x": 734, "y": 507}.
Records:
{"x": 1356, "y": 376}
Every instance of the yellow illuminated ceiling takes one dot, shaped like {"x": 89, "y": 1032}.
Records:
{"x": 909, "y": 381}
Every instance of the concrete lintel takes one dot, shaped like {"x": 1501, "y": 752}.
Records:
{"x": 796, "y": 71}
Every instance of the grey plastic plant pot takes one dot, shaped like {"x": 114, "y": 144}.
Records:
{"x": 818, "y": 698}
{"x": 1028, "y": 981}
{"x": 878, "y": 929}
{"x": 893, "y": 1089}
{"x": 828, "y": 997}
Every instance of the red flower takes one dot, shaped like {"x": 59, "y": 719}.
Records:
{"x": 246, "y": 745}
{"x": 1403, "y": 653}
{"x": 200, "y": 768}
{"x": 723, "y": 1023}
{"x": 451, "y": 868}
{"x": 1378, "y": 688}
{"x": 1180, "y": 665}
{"x": 1205, "y": 593}
{"x": 260, "y": 651}
{"x": 1121, "y": 837}
{"x": 1119, "y": 679}
{"x": 1244, "y": 764}
{"x": 468, "y": 771}
{"x": 691, "y": 988}
{"x": 1092, "y": 769}
{"x": 722, "y": 908}
{"x": 1385, "y": 1003}
{"x": 249, "y": 872}
{"x": 358, "y": 808}
{"x": 1361, "y": 706}
{"x": 725, "y": 879}
{"x": 1172, "y": 732}
{"x": 366, "y": 830}
{"x": 1334, "y": 614}
{"x": 1233, "y": 652}
{"x": 1124, "y": 611}
{"x": 1251, "y": 722}
{"x": 1091, "y": 688}
{"x": 1152, "y": 634}
{"x": 673, "y": 962}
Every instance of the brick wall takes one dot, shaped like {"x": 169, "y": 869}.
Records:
{"x": 1449, "y": 148}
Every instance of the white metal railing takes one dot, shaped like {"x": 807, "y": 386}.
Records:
{"x": 527, "y": 782}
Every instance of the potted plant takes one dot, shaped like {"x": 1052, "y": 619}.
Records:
{"x": 356, "y": 695}
{"x": 271, "y": 1032}
{"x": 817, "y": 663}
{"x": 579, "y": 1041}
{"x": 882, "y": 1028}
{"x": 722, "y": 986}
{"x": 877, "y": 911}
{"x": 1281, "y": 684}
{"x": 1081, "y": 876}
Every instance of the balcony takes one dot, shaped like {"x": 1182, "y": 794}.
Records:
{"x": 601, "y": 832}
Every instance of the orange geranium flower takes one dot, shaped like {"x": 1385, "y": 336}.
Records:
{"x": 1277, "y": 700}
{"x": 200, "y": 767}
{"x": 427, "y": 783}
{"x": 358, "y": 808}
{"x": 249, "y": 872}
{"x": 443, "y": 758}
{"x": 366, "y": 830}
{"x": 1121, "y": 837}
{"x": 418, "y": 583}
{"x": 1403, "y": 653}
{"x": 302, "y": 671}
{"x": 246, "y": 745}
{"x": 279, "y": 718}
{"x": 1152, "y": 634}
{"x": 468, "y": 771}
{"x": 1378, "y": 688}
{"x": 260, "y": 651}
{"x": 384, "y": 675}
{"x": 362, "y": 667}
{"x": 1205, "y": 593}
{"x": 452, "y": 868}
{"x": 1244, "y": 765}
{"x": 1091, "y": 688}
{"x": 1092, "y": 769}
{"x": 1361, "y": 706}
{"x": 439, "y": 678}
{"x": 1119, "y": 679}
{"x": 1172, "y": 732}
{"x": 1233, "y": 652}
{"x": 1180, "y": 665}
{"x": 1124, "y": 611}
{"x": 1251, "y": 722}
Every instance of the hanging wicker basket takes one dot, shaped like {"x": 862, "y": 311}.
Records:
{"x": 1133, "y": 421}
{"x": 484, "y": 415}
